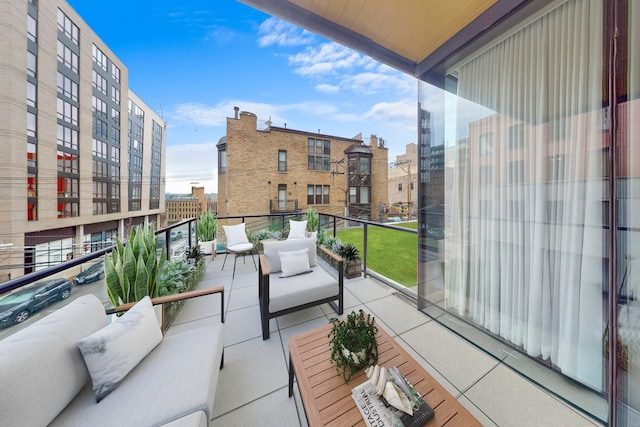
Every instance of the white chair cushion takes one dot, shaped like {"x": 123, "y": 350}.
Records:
{"x": 284, "y": 294}
{"x": 236, "y": 234}
{"x": 297, "y": 229}
{"x": 271, "y": 249}
{"x": 294, "y": 262}
{"x": 113, "y": 351}
{"x": 240, "y": 247}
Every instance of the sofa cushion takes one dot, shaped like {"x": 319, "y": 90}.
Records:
{"x": 41, "y": 368}
{"x": 271, "y": 249}
{"x": 294, "y": 262}
{"x": 113, "y": 351}
{"x": 297, "y": 229}
{"x": 197, "y": 419}
{"x": 176, "y": 379}
{"x": 317, "y": 285}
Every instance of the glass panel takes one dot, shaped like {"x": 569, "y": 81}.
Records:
{"x": 628, "y": 228}
{"x": 512, "y": 237}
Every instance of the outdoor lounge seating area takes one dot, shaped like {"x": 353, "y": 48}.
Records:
{"x": 253, "y": 386}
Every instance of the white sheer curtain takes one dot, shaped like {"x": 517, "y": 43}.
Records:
{"x": 629, "y": 195}
{"x": 526, "y": 242}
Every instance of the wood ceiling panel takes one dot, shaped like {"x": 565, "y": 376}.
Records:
{"x": 412, "y": 28}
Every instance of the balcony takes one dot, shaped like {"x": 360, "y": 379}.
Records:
{"x": 252, "y": 387}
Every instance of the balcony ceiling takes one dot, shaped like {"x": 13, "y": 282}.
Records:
{"x": 405, "y": 34}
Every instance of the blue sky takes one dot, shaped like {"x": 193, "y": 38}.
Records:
{"x": 193, "y": 61}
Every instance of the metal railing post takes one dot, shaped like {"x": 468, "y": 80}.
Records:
{"x": 364, "y": 251}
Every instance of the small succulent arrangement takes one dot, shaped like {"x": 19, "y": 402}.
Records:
{"x": 194, "y": 254}
{"x": 353, "y": 343}
{"x": 348, "y": 252}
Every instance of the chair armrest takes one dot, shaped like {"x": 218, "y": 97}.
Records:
{"x": 333, "y": 255}
{"x": 165, "y": 300}
{"x": 264, "y": 267}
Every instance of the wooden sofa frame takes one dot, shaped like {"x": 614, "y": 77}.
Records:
{"x": 263, "y": 292}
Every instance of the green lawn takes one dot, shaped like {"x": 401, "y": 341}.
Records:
{"x": 391, "y": 253}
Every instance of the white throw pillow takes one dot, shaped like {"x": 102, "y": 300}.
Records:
{"x": 297, "y": 229}
{"x": 113, "y": 351}
{"x": 294, "y": 262}
{"x": 236, "y": 234}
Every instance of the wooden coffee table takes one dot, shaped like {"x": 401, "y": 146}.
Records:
{"x": 327, "y": 399}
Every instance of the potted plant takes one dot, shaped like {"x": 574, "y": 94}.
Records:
{"x": 313, "y": 219}
{"x": 353, "y": 343}
{"x": 352, "y": 263}
{"x": 193, "y": 255}
{"x": 131, "y": 270}
{"x": 206, "y": 230}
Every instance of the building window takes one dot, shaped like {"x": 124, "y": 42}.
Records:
{"x": 400, "y": 187}
{"x": 486, "y": 143}
{"x": 516, "y": 172}
{"x": 67, "y": 137}
{"x": 31, "y": 124}
{"x": 115, "y": 74}
{"x": 67, "y": 87}
{"x": 222, "y": 161}
{"x": 318, "y": 194}
{"x": 99, "y": 57}
{"x": 31, "y": 64}
{"x": 32, "y": 98}
{"x": 67, "y": 27}
{"x": 516, "y": 136}
{"x": 67, "y": 112}
{"x": 32, "y": 29}
{"x": 67, "y": 57}
{"x": 282, "y": 161}
{"x": 319, "y": 151}
{"x": 555, "y": 167}
{"x": 99, "y": 82}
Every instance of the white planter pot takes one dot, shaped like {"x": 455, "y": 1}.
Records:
{"x": 207, "y": 247}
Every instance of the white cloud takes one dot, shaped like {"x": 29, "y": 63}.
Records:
{"x": 277, "y": 32}
{"x": 327, "y": 88}
{"x": 328, "y": 58}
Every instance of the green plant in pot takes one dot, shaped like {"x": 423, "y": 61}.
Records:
{"x": 131, "y": 270}
{"x": 194, "y": 254}
{"x": 207, "y": 230}
{"x": 313, "y": 220}
{"x": 353, "y": 343}
{"x": 351, "y": 257}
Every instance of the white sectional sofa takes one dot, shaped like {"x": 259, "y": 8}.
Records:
{"x": 44, "y": 379}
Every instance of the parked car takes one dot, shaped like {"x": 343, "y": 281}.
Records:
{"x": 176, "y": 234}
{"x": 90, "y": 274}
{"x": 18, "y": 306}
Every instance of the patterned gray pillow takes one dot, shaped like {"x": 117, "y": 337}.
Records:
{"x": 113, "y": 351}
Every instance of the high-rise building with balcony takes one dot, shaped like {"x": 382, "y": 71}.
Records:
{"x": 82, "y": 156}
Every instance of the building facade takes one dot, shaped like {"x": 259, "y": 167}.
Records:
{"x": 280, "y": 170}
{"x": 528, "y": 237}
{"x": 403, "y": 179}
{"x": 181, "y": 208}
{"x": 83, "y": 157}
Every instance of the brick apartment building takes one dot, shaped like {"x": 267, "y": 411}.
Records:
{"x": 181, "y": 208}
{"x": 285, "y": 170}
